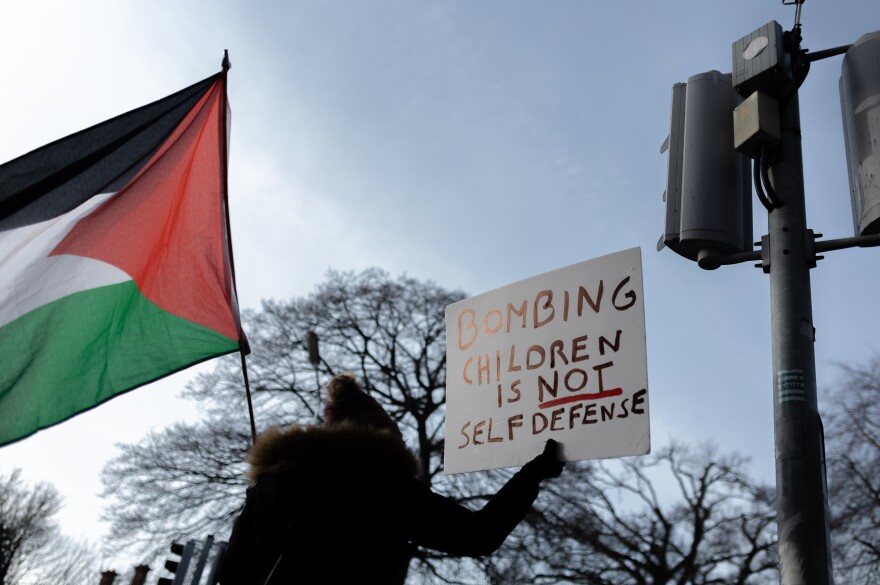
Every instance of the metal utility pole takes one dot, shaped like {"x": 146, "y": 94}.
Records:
{"x": 802, "y": 507}
{"x": 708, "y": 221}
{"x": 767, "y": 128}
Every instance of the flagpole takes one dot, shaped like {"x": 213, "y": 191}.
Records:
{"x": 247, "y": 389}
{"x": 243, "y": 346}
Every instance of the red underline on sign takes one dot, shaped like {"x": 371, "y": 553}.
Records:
{"x": 582, "y": 397}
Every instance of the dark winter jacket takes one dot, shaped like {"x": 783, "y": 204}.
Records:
{"x": 344, "y": 505}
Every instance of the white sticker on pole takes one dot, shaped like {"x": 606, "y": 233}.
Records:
{"x": 561, "y": 356}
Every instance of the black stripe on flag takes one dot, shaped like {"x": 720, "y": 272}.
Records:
{"x": 60, "y": 176}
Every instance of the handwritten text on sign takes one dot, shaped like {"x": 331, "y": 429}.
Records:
{"x": 560, "y": 355}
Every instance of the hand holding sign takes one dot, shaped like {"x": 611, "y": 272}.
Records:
{"x": 548, "y": 464}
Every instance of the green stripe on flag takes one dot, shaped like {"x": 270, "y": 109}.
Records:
{"x": 74, "y": 353}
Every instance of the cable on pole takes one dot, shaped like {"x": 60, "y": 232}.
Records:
{"x": 774, "y": 199}
{"x": 759, "y": 189}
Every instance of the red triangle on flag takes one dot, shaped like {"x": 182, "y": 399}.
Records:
{"x": 166, "y": 227}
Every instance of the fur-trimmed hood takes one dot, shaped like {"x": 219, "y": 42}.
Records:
{"x": 317, "y": 449}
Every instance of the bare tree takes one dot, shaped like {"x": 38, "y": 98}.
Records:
{"x": 33, "y": 550}
{"x": 853, "y": 469}
{"x": 682, "y": 516}
{"x": 26, "y": 523}
{"x": 61, "y": 561}
{"x": 185, "y": 480}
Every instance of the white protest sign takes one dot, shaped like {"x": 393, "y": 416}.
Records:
{"x": 561, "y": 356}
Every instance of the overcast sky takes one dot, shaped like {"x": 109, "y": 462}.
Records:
{"x": 469, "y": 143}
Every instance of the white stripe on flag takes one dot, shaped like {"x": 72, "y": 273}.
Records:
{"x": 31, "y": 278}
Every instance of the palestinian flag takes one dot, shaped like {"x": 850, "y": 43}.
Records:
{"x": 115, "y": 262}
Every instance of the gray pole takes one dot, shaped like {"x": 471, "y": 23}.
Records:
{"x": 203, "y": 558}
{"x": 802, "y": 518}
{"x": 213, "y": 575}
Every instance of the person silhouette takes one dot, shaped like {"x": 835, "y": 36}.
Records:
{"x": 342, "y": 502}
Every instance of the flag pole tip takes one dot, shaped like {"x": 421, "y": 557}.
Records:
{"x": 226, "y": 64}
